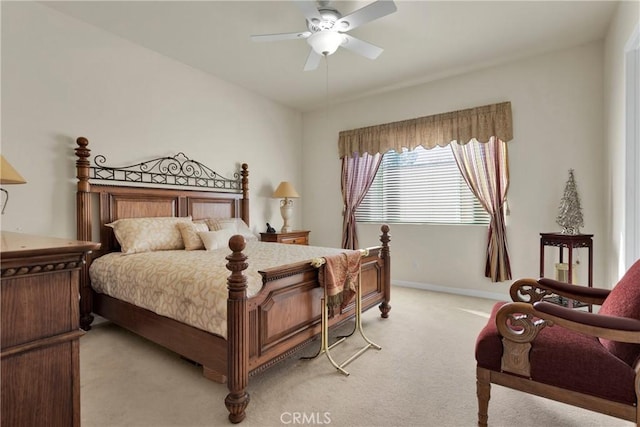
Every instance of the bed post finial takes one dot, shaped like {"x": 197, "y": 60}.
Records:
{"x": 237, "y": 332}
{"x": 245, "y": 193}
{"x": 83, "y": 230}
{"x": 386, "y": 255}
{"x": 82, "y": 164}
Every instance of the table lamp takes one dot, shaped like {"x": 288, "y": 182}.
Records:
{"x": 286, "y": 192}
{"x": 8, "y": 175}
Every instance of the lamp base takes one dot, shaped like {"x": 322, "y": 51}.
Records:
{"x": 286, "y": 208}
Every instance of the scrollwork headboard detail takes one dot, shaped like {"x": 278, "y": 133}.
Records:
{"x": 178, "y": 170}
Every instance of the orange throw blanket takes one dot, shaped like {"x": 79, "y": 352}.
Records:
{"x": 341, "y": 278}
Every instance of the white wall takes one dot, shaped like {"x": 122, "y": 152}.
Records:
{"x": 626, "y": 18}
{"x": 62, "y": 79}
{"x": 557, "y": 104}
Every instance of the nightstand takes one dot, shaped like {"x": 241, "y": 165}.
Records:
{"x": 297, "y": 237}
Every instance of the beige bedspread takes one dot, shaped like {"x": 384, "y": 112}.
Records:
{"x": 190, "y": 286}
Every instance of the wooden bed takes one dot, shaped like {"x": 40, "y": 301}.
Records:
{"x": 261, "y": 330}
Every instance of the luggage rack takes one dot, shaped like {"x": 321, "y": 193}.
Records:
{"x": 325, "y": 347}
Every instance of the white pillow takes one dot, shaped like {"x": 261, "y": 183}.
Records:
{"x": 216, "y": 239}
{"x": 148, "y": 234}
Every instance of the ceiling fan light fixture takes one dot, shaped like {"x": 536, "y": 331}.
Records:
{"x": 325, "y": 42}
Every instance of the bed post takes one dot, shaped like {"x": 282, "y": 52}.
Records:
{"x": 245, "y": 193}
{"x": 237, "y": 332}
{"x": 83, "y": 231}
{"x": 386, "y": 257}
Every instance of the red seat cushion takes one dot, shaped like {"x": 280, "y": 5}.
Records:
{"x": 624, "y": 301}
{"x": 565, "y": 359}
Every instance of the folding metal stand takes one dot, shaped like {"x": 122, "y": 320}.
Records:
{"x": 325, "y": 347}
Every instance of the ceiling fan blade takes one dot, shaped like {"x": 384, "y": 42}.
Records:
{"x": 309, "y": 10}
{"x": 366, "y": 14}
{"x": 361, "y": 47}
{"x": 282, "y": 36}
{"x": 313, "y": 60}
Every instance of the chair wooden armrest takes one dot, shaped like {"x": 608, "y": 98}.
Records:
{"x": 519, "y": 323}
{"x": 613, "y": 328}
{"x": 533, "y": 290}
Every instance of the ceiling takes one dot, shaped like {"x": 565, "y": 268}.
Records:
{"x": 422, "y": 41}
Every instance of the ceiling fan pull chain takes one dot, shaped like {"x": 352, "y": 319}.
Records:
{"x": 326, "y": 109}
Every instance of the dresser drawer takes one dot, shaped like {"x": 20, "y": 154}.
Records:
{"x": 300, "y": 240}
{"x": 38, "y": 386}
{"x": 43, "y": 305}
{"x": 297, "y": 237}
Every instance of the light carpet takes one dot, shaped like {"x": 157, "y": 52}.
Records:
{"x": 423, "y": 376}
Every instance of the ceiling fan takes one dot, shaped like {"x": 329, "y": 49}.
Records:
{"x": 327, "y": 29}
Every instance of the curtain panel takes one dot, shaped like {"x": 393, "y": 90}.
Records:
{"x": 485, "y": 169}
{"x": 480, "y": 123}
{"x": 358, "y": 172}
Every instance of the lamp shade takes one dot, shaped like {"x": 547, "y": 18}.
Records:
{"x": 285, "y": 190}
{"x": 8, "y": 175}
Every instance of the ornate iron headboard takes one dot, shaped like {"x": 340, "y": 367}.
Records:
{"x": 178, "y": 170}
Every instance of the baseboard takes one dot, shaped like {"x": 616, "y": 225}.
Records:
{"x": 450, "y": 290}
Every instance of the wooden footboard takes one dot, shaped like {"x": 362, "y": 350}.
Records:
{"x": 286, "y": 313}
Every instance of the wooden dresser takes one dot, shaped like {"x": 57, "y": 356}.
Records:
{"x": 297, "y": 237}
{"x": 39, "y": 327}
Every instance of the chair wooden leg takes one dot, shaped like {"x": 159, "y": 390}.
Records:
{"x": 637, "y": 389}
{"x": 483, "y": 390}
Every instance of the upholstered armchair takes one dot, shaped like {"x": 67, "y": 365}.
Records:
{"x": 569, "y": 355}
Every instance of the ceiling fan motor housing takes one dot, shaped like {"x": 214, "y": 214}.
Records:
{"x": 329, "y": 18}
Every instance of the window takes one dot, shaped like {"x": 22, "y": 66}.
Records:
{"x": 632, "y": 193}
{"x": 421, "y": 186}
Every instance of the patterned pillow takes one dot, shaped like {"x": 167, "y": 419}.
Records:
{"x": 236, "y": 225}
{"x": 189, "y": 232}
{"x": 214, "y": 223}
{"x": 215, "y": 239}
{"x": 148, "y": 234}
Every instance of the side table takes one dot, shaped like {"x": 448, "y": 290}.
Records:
{"x": 569, "y": 241}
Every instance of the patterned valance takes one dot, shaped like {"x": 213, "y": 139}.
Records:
{"x": 480, "y": 123}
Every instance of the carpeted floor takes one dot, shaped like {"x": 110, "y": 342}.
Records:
{"x": 423, "y": 376}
